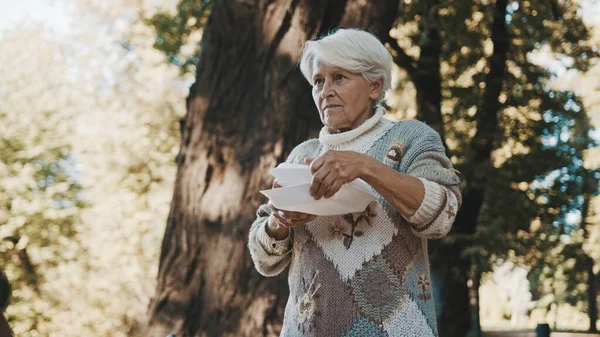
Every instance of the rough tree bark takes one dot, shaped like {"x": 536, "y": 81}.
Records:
{"x": 248, "y": 107}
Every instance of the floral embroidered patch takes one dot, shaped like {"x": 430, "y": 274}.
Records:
{"x": 305, "y": 305}
{"x": 424, "y": 285}
{"x": 337, "y": 229}
{"x": 395, "y": 153}
{"x": 353, "y": 220}
{"x": 450, "y": 212}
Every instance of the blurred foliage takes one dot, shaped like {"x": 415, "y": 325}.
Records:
{"x": 40, "y": 195}
{"x": 535, "y": 188}
{"x": 89, "y": 134}
{"x": 89, "y": 126}
{"x": 177, "y": 31}
{"x": 505, "y": 297}
{"x": 558, "y": 242}
{"x": 589, "y": 85}
{"x": 507, "y": 302}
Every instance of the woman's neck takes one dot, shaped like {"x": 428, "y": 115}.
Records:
{"x": 358, "y": 122}
{"x": 335, "y": 139}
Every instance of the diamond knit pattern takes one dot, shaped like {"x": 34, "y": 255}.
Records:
{"x": 366, "y": 274}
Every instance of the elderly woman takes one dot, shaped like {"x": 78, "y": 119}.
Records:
{"x": 360, "y": 274}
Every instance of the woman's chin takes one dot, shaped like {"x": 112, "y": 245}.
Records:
{"x": 337, "y": 129}
{"x": 333, "y": 127}
{"x": 335, "y": 122}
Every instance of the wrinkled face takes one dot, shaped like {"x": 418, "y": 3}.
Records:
{"x": 344, "y": 99}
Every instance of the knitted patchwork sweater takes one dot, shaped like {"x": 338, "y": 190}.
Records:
{"x": 367, "y": 273}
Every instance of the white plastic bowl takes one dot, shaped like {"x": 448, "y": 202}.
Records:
{"x": 349, "y": 199}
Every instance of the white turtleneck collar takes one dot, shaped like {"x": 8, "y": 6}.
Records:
{"x": 359, "y": 139}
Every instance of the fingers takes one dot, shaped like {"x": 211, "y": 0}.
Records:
{"x": 311, "y": 217}
{"x": 325, "y": 185}
{"x": 318, "y": 180}
{"x": 326, "y": 171}
{"x": 276, "y": 184}
{"x": 316, "y": 163}
{"x": 295, "y": 215}
{"x": 289, "y": 218}
{"x": 280, "y": 214}
{"x": 282, "y": 221}
{"x": 334, "y": 189}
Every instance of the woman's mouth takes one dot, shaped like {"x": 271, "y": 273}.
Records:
{"x": 332, "y": 106}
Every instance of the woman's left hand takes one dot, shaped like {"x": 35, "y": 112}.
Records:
{"x": 333, "y": 169}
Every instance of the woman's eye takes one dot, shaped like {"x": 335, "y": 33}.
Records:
{"x": 318, "y": 81}
{"x": 339, "y": 77}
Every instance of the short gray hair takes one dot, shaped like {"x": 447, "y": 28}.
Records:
{"x": 354, "y": 50}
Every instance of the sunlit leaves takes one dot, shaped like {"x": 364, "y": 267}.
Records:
{"x": 88, "y": 136}
{"x": 174, "y": 30}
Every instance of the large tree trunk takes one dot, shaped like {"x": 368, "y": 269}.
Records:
{"x": 589, "y": 184}
{"x": 5, "y": 330}
{"x": 248, "y": 108}
{"x": 474, "y": 283}
{"x": 592, "y": 294}
{"x": 428, "y": 82}
{"x": 5, "y": 291}
{"x": 451, "y": 266}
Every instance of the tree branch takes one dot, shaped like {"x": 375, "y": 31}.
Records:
{"x": 556, "y": 10}
{"x": 489, "y": 106}
{"x": 402, "y": 59}
{"x": 5, "y": 291}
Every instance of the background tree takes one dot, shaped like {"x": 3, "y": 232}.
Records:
{"x": 5, "y": 291}
{"x": 126, "y": 142}
{"x": 501, "y": 120}
{"x": 244, "y": 114}
{"x": 102, "y": 105}
{"x": 40, "y": 197}
{"x": 88, "y": 139}
{"x": 476, "y": 80}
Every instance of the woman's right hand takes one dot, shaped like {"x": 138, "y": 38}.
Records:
{"x": 281, "y": 221}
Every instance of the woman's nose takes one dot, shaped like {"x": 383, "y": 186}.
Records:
{"x": 328, "y": 90}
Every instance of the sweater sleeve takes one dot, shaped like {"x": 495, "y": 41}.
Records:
{"x": 270, "y": 256}
{"x": 426, "y": 159}
{"x": 435, "y": 216}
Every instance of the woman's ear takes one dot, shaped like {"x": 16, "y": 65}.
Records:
{"x": 376, "y": 89}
